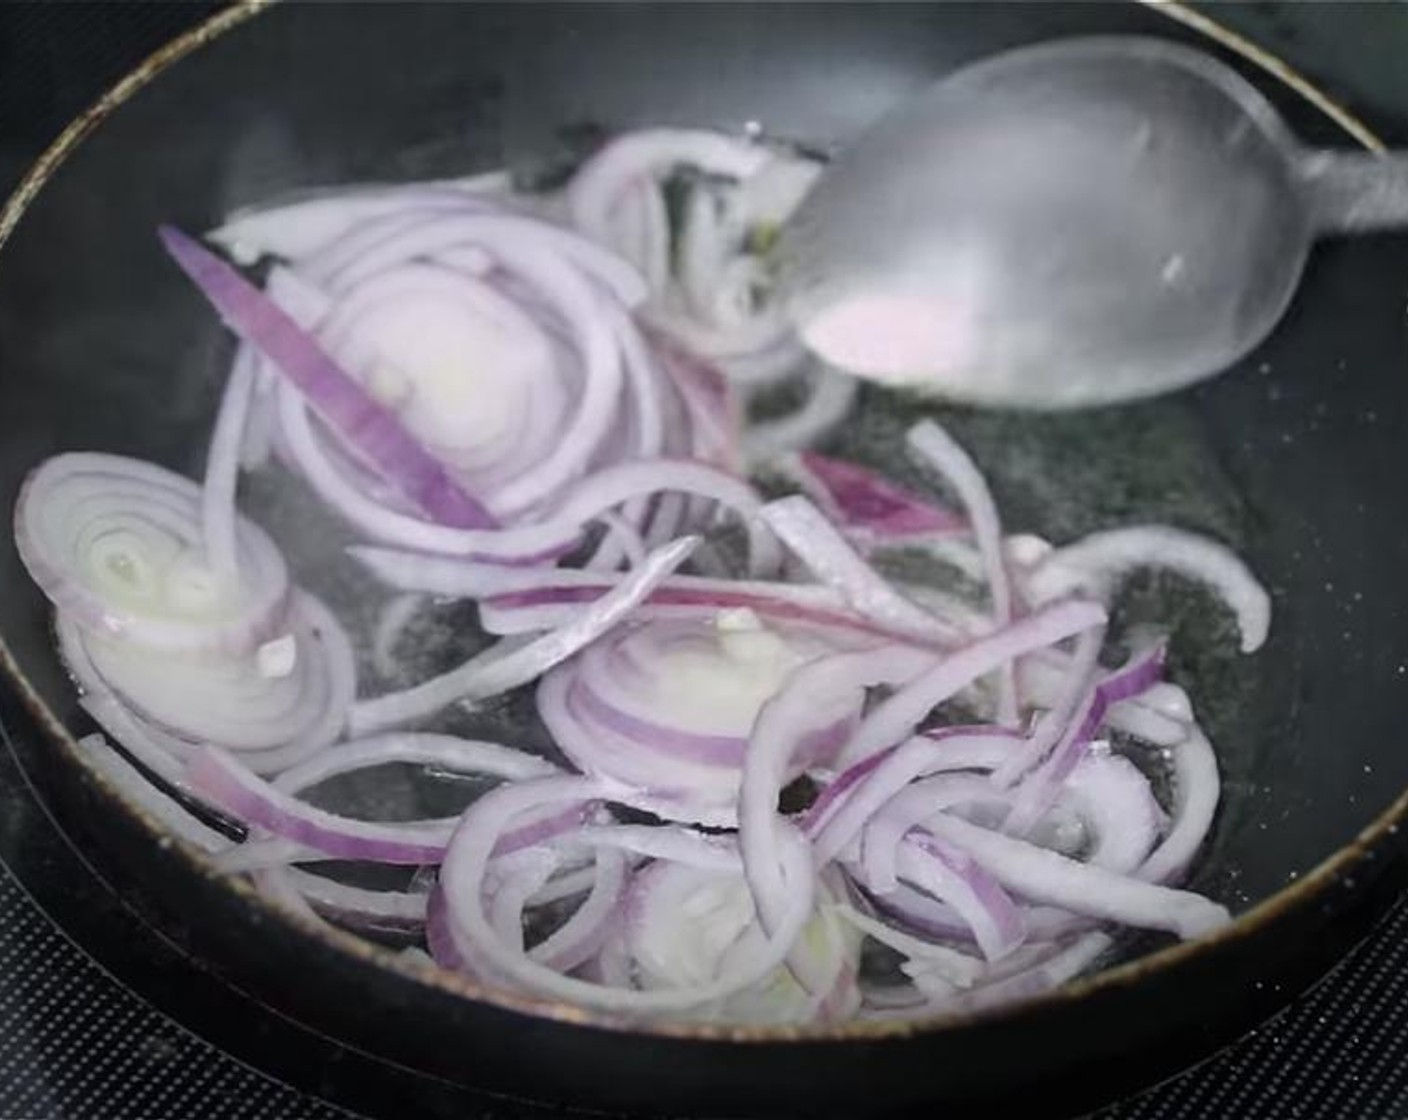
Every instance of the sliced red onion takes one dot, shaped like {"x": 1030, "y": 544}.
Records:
{"x": 706, "y": 294}
{"x": 670, "y": 843}
{"x": 419, "y": 748}
{"x": 219, "y": 517}
{"x": 1041, "y": 787}
{"x": 1159, "y": 716}
{"x": 869, "y": 508}
{"x": 485, "y": 228}
{"x": 559, "y": 531}
{"x": 822, "y": 548}
{"x": 1055, "y": 964}
{"x": 688, "y": 924}
{"x": 174, "y": 705}
{"x": 1066, "y": 708}
{"x": 615, "y": 485}
{"x": 305, "y": 225}
{"x": 870, "y": 784}
{"x": 715, "y": 414}
{"x": 512, "y": 587}
{"x": 109, "y": 713}
{"x": 515, "y": 879}
{"x": 594, "y": 195}
{"x": 914, "y": 909}
{"x": 937, "y": 448}
{"x": 567, "y": 884}
{"x": 550, "y": 310}
{"x": 949, "y": 874}
{"x": 711, "y": 287}
{"x": 138, "y": 787}
{"x": 801, "y": 606}
{"x": 580, "y": 938}
{"x": 349, "y": 904}
{"x": 527, "y": 544}
{"x": 467, "y": 861}
{"x": 693, "y": 699}
{"x": 1096, "y": 564}
{"x": 674, "y": 789}
{"x": 117, "y": 545}
{"x": 375, "y": 433}
{"x": 816, "y": 695}
{"x": 958, "y": 967}
{"x": 1196, "y": 792}
{"x": 1114, "y": 810}
{"x": 220, "y": 779}
{"x": 668, "y": 707}
{"x": 896, "y": 717}
{"x": 440, "y": 938}
{"x": 1115, "y": 801}
{"x": 1045, "y": 876}
{"x": 495, "y": 672}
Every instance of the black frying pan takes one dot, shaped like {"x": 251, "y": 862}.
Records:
{"x": 1295, "y": 458}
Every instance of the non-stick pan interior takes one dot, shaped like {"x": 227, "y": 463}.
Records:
{"x": 1294, "y": 459}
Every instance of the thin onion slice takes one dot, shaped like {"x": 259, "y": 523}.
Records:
{"x": 157, "y": 704}
{"x": 117, "y": 545}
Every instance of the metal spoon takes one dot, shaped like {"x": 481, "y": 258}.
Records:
{"x": 1075, "y": 223}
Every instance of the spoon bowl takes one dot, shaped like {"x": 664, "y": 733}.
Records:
{"x": 1075, "y": 223}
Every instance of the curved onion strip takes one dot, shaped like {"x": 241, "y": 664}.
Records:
{"x": 815, "y": 695}
{"x": 815, "y": 688}
{"x": 1196, "y": 790}
{"x": 676, "y": 790}
{"x": 140, "y": 788}
{"x": 868, "y": 507}
{"x": 980, "y": 902}
{"x": 892, "y": 771}
{"x": 495, "y": 671}
{"x": 339, "y": 398}
{"x": 1041, "y": 787}
{"x": 1074, "y": 691}
{"x": 157, "y": 704}
{"x": 1108, "y": 795}
{"x": 1095, "y": 563}
{"x": 216, "y": 776}
{"x": 687, "y": 924}
{"x": 467, "y": 860}
{"x": 304, "y": 224}
{"x": 219, "y": 517}
{"x": 530, "y": 544}
{"x": 580, "y": 937}
{"x": 1046, "y": 876}
{"x": 445, "y": 752}
{"x": 822, "y": 548}
{"x": 466, "y": 579}
{"x": 936, "y": 447}
{"x": 957, "y": 966}
{"x": 117, "y": 546}
{"x": 894, "y": 718}
{"x": 348, "y": 903}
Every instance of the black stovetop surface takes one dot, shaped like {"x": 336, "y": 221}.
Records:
{"x": 102, "y": 1017}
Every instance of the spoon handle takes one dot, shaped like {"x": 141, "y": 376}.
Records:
{"x": 1354, "y": 192}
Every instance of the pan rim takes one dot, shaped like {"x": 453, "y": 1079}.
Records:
{"x": 1309, "y": 886}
